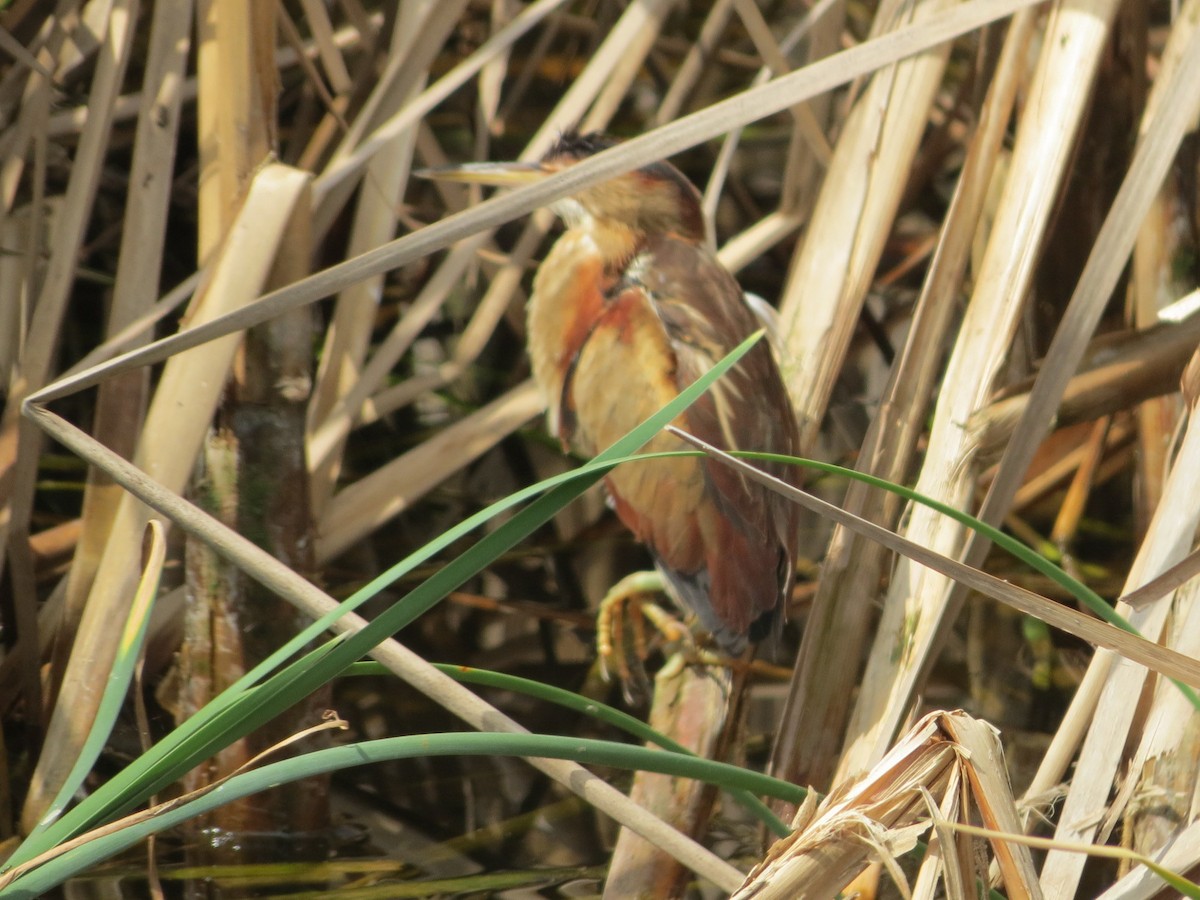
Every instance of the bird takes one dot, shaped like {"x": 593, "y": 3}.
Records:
{"x": 629, "y": 307}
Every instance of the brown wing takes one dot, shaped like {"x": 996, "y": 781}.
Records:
{"x": 706, "y": 316}
{"x": 725, "y": 543}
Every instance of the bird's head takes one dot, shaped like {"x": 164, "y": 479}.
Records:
{"x": 654, "y": 199}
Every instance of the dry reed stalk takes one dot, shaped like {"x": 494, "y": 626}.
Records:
{"x": 328, "y": 438}
{"x": 317, "y": 16}
{"x": 22, "y": 54}
{"x": 814, "y": 716}
{"x": 692, "y": 67}
{"x": 358, "y": 400}
{"x": 121, "y": 402}
{"x": 349, "y": 330}
{"x": 690, "y": 705}
{"x": 1178, "y": 90}
{"x": 133, "y": 333}
{"x": 14, "y": 313}
{"x": 918, "y": 607}
{"x": 71, "y": 120}
{"x": 252, "y": 474}
{"x": 251, "y": 471}
{"x": 41, "y": 340}
{"x": 807, "y": 162}
{"x": 493, "y": 75}
{"x": 1141, "y": 364}
{"x": 1152, "y": 287}
{"x": 332, "y": 122}
{"x": 1159, "y": 801}
{"x": 1171, "y": 111}
{"x": 1168, "y": 539}
{"x": 177, "y": 420}
{"x": 823, "y": 296}
{"x": 236, "y": 108}
{"x": 27, "y": 232}
{"x": 33, "y": 94}
{"x": 883, "y": 813}
{"x": 368, "y": 401}
{"x": 430, "y": 25}
{"x": 992, "y": 794}
{"x": 417, "y": 23}
{"x": 1155, "y": 284}
{"x": 744, "y": 248}
{"x": 20, "y": 449}
{"x": 1070, "y": 511}
{"x": 805, "y": 122}
{"x": 809, "y": 153}
{"x": 1164, "y": 761}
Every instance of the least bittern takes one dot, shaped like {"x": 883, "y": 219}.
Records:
{"x": 629, "y": 307}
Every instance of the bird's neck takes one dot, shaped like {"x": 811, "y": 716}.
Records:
{"x": 614, "y": 243}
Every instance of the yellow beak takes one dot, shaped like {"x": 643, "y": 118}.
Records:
{"x": 507, "y": 174}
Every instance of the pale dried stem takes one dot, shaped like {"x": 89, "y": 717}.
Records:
{"x": 827, "y": 285}
{"x": 338, "y": 180}
{"x": 918, "y": 607}
{"x": 349, "y": 331}
{"x": 120, "y": 403}
{"x": 775, "y": 60}
{"x": 493, "y": 75}
{"x": 19, "y": 447}
{"x": 178, "y": 418}
{"x": 317, "y": 16}
{"x": 1142, "y": 364}
{"x": 692, "y": 67}
{"x": 1161, "y": 798}
{"x": 1070, "y": 511}
{"x": 1174, "y": 104}
{"x": 128, "y": 106}
{"x": 814, "y": 717}
{"x": 34, "y": 93}
{"x": 1167, "y": 541}
{"x": 946, "y": 760}
{"x": 802, "y": 167}
{"x": 1154, "y": 284}
{"x": 742, "y": 249}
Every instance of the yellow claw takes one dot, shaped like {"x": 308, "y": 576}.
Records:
{"x": 612, "y": 622}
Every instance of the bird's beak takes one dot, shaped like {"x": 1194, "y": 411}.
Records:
{"x": 508, "y": 174}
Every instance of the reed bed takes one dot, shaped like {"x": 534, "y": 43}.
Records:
{"x": 251, "y": 362}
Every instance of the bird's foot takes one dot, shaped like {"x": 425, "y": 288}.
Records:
{"x": 622, "y": 640}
